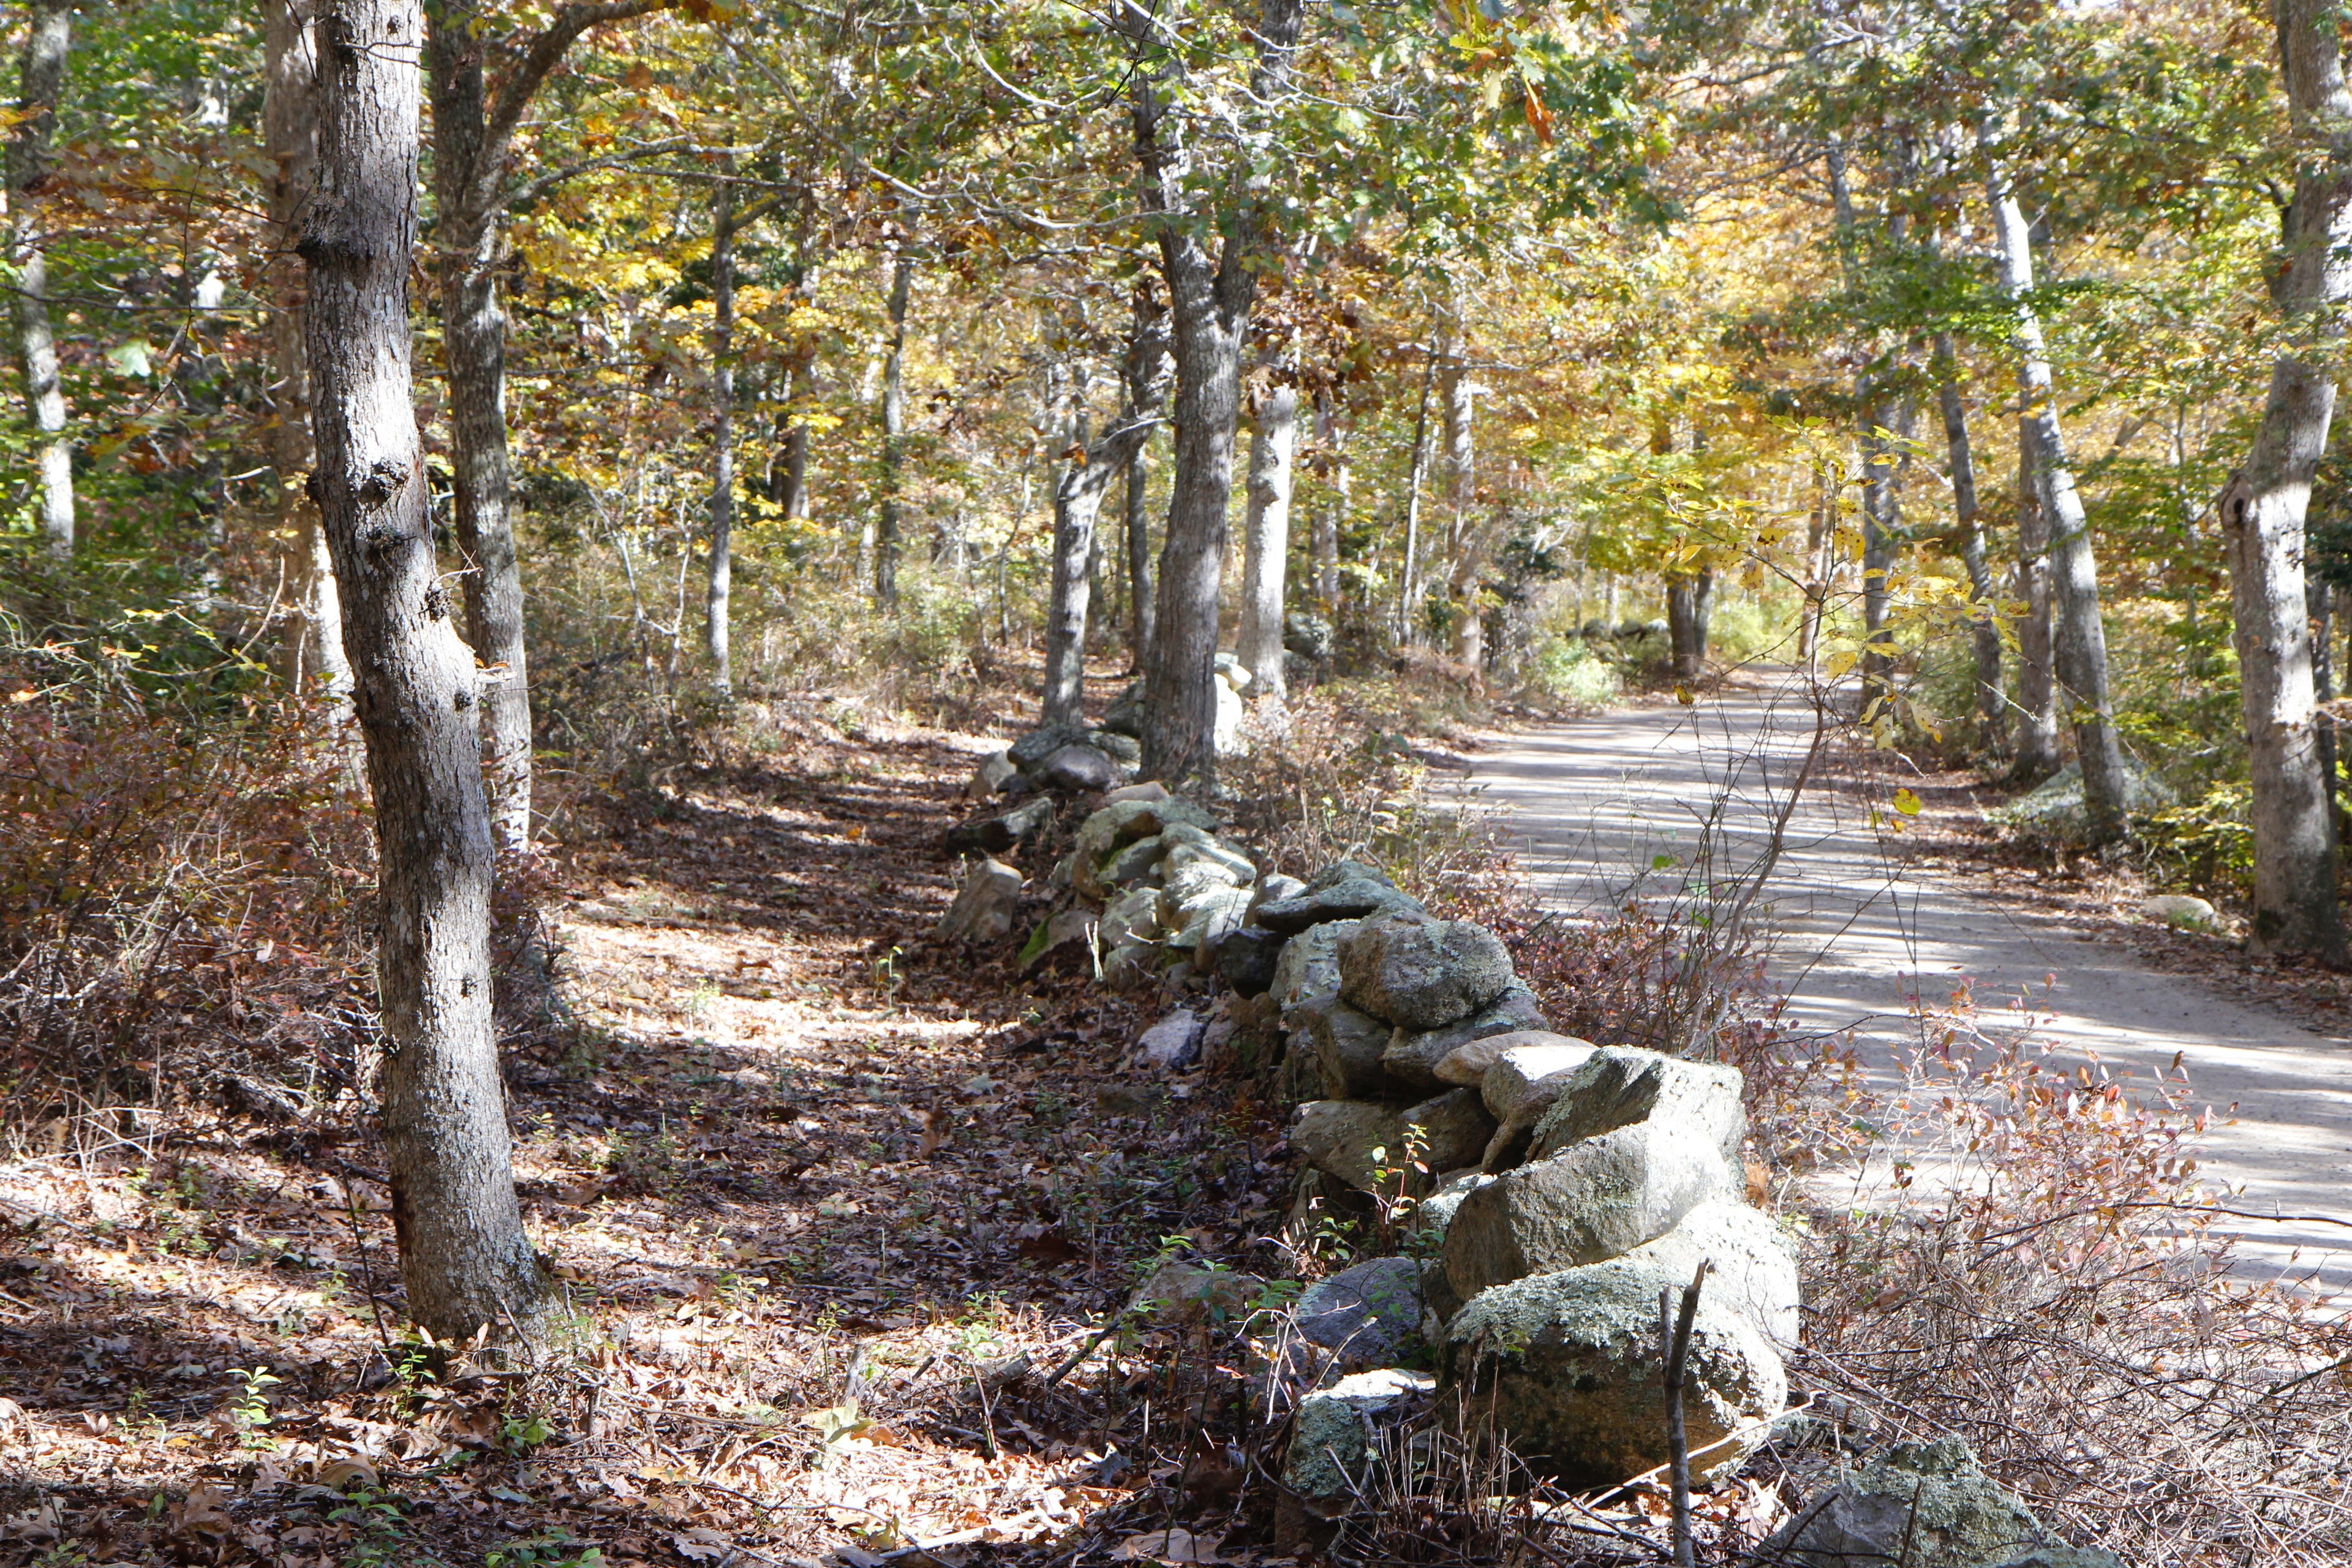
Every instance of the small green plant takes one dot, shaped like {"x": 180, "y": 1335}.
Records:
{"x": 376, "y": 1527}
{"x": 521, "y": 1433}
{"x": 551, "y": 1548}
{"x": 251, "y": 1409}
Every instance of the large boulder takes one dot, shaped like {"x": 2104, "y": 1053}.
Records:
{"x": 984, "y": 905}
{"x": 1569, "y": 1367}
{"x": 1421, "y": 973}
{"x": 1335, "y": 1430}
{"x": 1601, "y": 1198}
{"x": 1619, "y": 1086}
{"x": 1309, "y": 969}
{"x": 1366, "y": 1316}
{"x": 1749, "y": 1267}
{"x": 1429, "y": 1220}
{"x": 1375, "y": 1148}
{"x": 1347, "y": 1047}
{"x": 1923, "y": 1505}
{"x": 1035, "y": 747}
{"x": 1413, "y": 1055}
{"x": 1078, "y": 769}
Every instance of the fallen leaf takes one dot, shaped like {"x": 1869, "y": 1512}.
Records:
{"x": 702, "y": 1546}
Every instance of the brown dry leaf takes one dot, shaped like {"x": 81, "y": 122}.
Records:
{"x": 701, "y": 1545}
{"x": 204, "y": 1517}
{"x": 341, "y": 1473}
{"x": 1175, "y": 1547}
{"x": 43, "y": 1524}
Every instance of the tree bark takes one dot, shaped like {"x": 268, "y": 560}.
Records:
{"x": 2037, "y": 684}
{"x": 720, "y": 584}
{"x": 1409, "y": 576}
{"x": 1265, "y": 540}
{"x": 2082, "y": 652}
{"x": 464, "y": 1258}
{"x": 48, "y": 41}
{"x": 1077, "y": 502}
{"x": 1690, "y": 611}
{"x": 1332, "y": 437}
{"x": 311, "y": 644}
{"x": 1210, "y": 299}
{"x": 894, "y": 437}
{"x": 792, "y": 488}
{"x": 1969, "y": 524}
{"x": 1145, "y": 371}
{"x": 2264, "y": 510}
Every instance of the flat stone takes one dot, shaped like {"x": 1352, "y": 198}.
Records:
{"x": 996, "y": 832}
{"x": 1150, "y": 789}
{"x": 1349, "y": 900}
{"x": 1593, "y": 1201}
{"x": 1273, "y": 887}
{"x": 1236, "y": 866}
{"x": 1422, "y": 974}
{"x": 1618, "y": 1087}
{"x": 1413, "y": 1055}
{"x": 1515, "y": 1064}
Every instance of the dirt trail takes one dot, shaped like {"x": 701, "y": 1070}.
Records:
{"x": 1865, "y": 933}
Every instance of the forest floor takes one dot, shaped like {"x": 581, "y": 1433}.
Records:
{"x": 816, "y": 1187}
{"x": 1892, "y": 926}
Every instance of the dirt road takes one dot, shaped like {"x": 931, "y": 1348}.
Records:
{"x": 1598, "y": 805}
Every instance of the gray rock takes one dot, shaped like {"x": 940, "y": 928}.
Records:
{"x": 1178, "y": 888}
{"x": 1340, "y": 871}
{"x": 1530, "y": 1065}
{"x": 1132, "y": 863}
{"x": 1125, "y": 821}
{"x": 1466, "y": 1064}
{"x": 1231, "y": 711}
{"x": 1067, "y": 929}
{"x": 1150, "y": 789}
{"x": 1334, "y": 1433}
{"x": 1367, "y": 1145}
{"x": 1203, "y": 920}
{"x": 2182, "y": 910}
{"x": 2062, "y": 1557}
{"x": 1236, "y": 866}
{"x": 1348, "y": 900}
{"x": 1035, "y": 747}
{"x": 1131, "y": 964}
{"x": 999, "y": 831}
{"x": 1422, "y": 974}
{"x": 1368, "y": 1315}
{"x": 1124, "y": 749}
{"x": 1925, "y": 1505}
{"x": 2056, "y": 808}
{"x": 1179, "y": 1293}
{"x": 1309, "y": 637}
{"x": 1308, "y": 970}
{"x": 1413, "y": 1055}
{"x": 1570, "y": 1365}
{"x": 1076, "y": 769}
{"x": 1247, "y": 960}
{"x": 1595, "y": 1200}
{"x": 1428, "y": 1221}
{"x": 1173, "y": 1043}
{"x": 993, "y": 773}
{"x": 1131, "y": 916}
{"x": 1749, "y": 1269}
{"x": 1124, "y": 715}
{"x": 1347, "y": 1044}
{"x": 1273, "y": 887}
{"x": 1618, "y": 1087}
{"x": 982, "y": 910}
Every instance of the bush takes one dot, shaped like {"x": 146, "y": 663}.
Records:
{"x": 1565, "y": 673}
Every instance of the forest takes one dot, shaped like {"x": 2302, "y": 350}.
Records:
{"x": 741, "y": 764}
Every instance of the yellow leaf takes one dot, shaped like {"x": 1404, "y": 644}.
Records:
{"x": 1906, "y": 803}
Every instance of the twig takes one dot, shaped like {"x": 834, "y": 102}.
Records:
{"x": 1676, "y": 1333}
{"x": 1083, "y": 1352}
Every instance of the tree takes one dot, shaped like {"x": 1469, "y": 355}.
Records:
{"x": 473, "y": 124}
{"x": 1143, "y": 375}
{"x": 1265, "y": 538}
{"x": 2081, "y": 653}
{"x": 464, "y": 1257}
{"x": 894, "y": 438}
{"x": 1077, "y": 501}
{"x": 720, "y": 576}
{"x": 1210, "y": 295}
{"x": 1969, "y": 524}
{"x": 48, "y": 40}
{"x": 2264, "y": 510}
{"x": 310, "y": 647}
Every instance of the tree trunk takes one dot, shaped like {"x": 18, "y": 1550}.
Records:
{"x": 1409, "y": 577}
{"x": 2082, "y": 652}
{"x": 1968, "y": 520}
{"x": 1265, "y": 540}
{"x": 721, "y": 580}
{"x": 1690, "y": 610}
{"x": 2037, "y": 685}
{"x": 1332, "y": 437}
{"x": 1820, "y": 525}
{"x": 1145, "y": 374}
{"x": 474, "y": 352}
{"x": 48, "y": 42}
{"x": 1077, "y": 501}
{"x": 464, "y": 1257}
{"x": 1209, "y": 304}
{"x": 1887, "y": 427}
{"x": 2262, "y": 511}
{"x": 310, "y": 647}
{"x": 792, "y": 488}
{"x": 894, "y": 437}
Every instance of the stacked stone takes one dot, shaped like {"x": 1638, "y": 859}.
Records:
{"x": 1059, "y": 759}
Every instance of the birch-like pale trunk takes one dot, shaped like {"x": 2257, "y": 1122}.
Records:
{"x": 1144, "y": 373}
{"x": 1968, "y": 525}
{"x": 890, "y": 523}
{"x": 1409, "y": 586}
{"x": 1265, "y": 540}
{"x": 2263, "y": 510}
{"x": 1210, "y": 299}
{"x": 464, "y": 1259}
{"x": 49, "y": 42}
{"x": 1077, "y": 504}
{"x": 720, "y": 580}
{"x": 2082, "y": 651}
{"x": 310, "y": 643}
{"x": 2038, "y": 754}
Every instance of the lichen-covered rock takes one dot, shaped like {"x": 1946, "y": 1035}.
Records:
{"x": 1619, "y": 1086}
{"x": 1179, "y": 1293}
{"x": 1246, "y": 959}
{"x": 1749, "y": 1267}
{"x": 1130, "y": 916}
{"x": 993, "y": 773}
{"x": 1067, "y": 929}
{"x": 1131, "y": 964}
{"x": 1522, "y": 1085}
{"x": 1125, "y": 821}
{"x": 1376, "y": 1148}
{"x": 1347, "y": 1047}
{"x": 2062, "y": 1557}
{"x": 1368, "y": 1315}
{"x": 1593, "y": 1201}
{"x": 1309, "y": 969}
{"x": 1421, "y": 973}
{"x": 1467, "y": 1065}
{"x": 1205, "y": 919}
{"x": 1333, "y": 1433}
{"x": 1184, "y": 852}
{"x": 1273, "y": 887}
{"x": 984, "y": 907}
{"x": 1124, "y": 749}
{"x": 1173, "y": 1043}
{"x": 1571, "y": 1366}
{"x": 1129, "y": 864}
{"x": 1035, "y": 747}
{"x": 1429, "y": 1220}
{"x": 1412, "y": 1055}
{"x": 1925, "y": 1505}
{"x": 1350, "y": 900}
